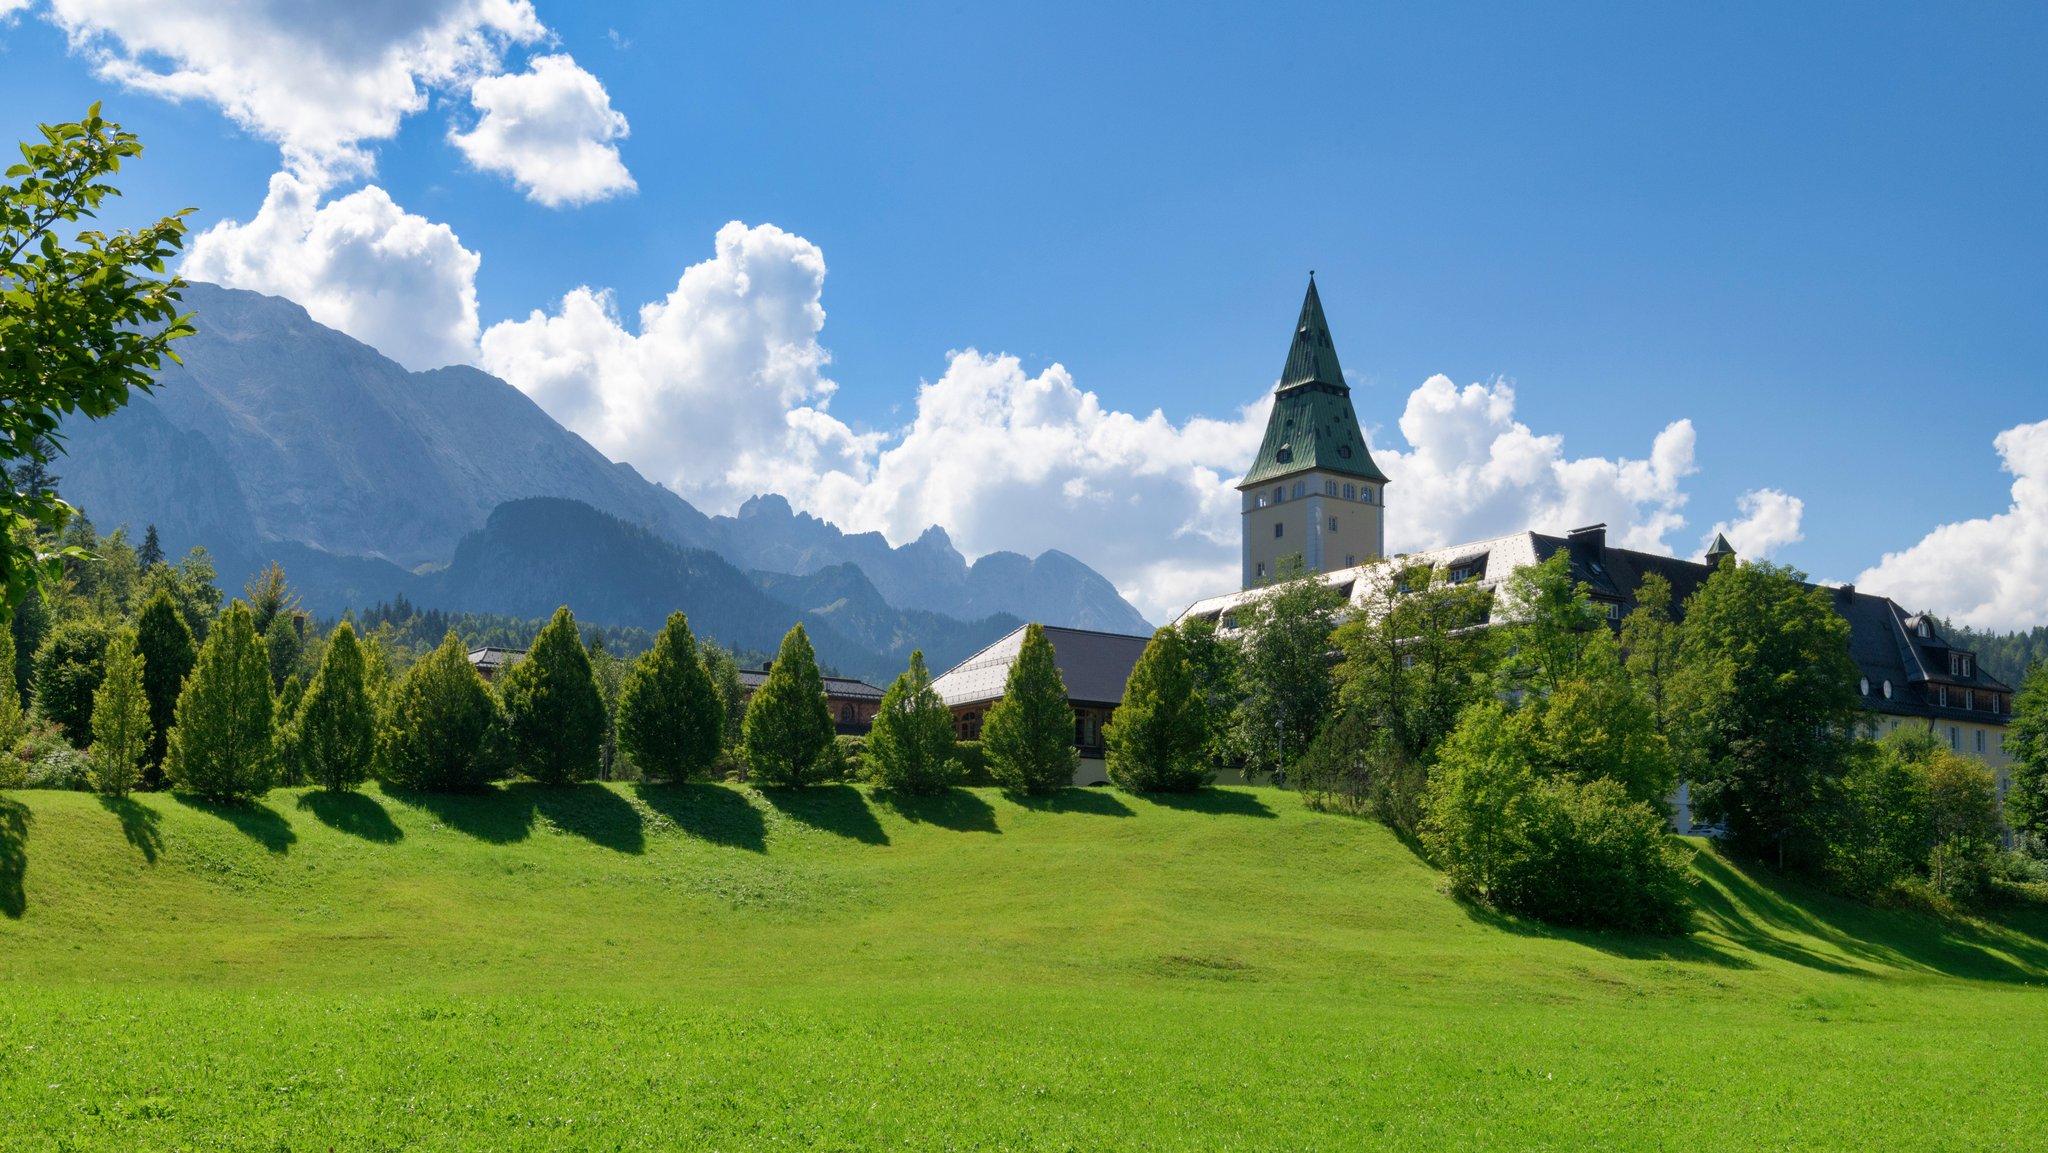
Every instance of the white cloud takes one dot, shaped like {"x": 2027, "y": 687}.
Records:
{"x": 362, "y": 264}
{"x": 318, "y": 79}
{"x": 1474, "y": 471}
{"x": 1989, "y": 572}
{"x": 550, "y": 129}
{"x": 721, "y": 387}
{"x": 1769, "y": 522}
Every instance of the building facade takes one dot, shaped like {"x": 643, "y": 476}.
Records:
{"x": 852, "y": 703}
{"x": 1094, "y": 666}
{"x": 1314, "y": 492}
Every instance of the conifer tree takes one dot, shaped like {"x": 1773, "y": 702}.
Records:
{"x": 1028, "y": 736}
{"x": 910, "y": 747}
{"x": 439, "y": 731}
{"x": 285, "y": 645}
{"x": 724, "y": 672}
{"x": 284, "y": 729}
{"x": 221, "y": 744}
{"x": 167, "y": 657}
{"x": 120, "y": 718}
{"x": 788, "y": 727}
{"x": 13, "y": 725}
{"x": 151, "y": 554}
{"x": 671, "y": 721}
{"x": 554, "y": 716}
{"x": 1157, "y": 736}
{"x": 336, "y": 727}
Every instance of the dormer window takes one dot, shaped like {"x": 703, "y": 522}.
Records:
{"x": 1923, "y": 630}
{"x": 1285, "y": 455}
{"x": 1344, "y": 451}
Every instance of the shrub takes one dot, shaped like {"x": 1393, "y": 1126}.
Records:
{"x": 910, "y": 748}
{"x": 1159, "y": 734}
{"x": 1028, "y": 735}
{"x": 442, "y": 733}
{"x": 671, "y": 721}
{"x": 973, "y": 760}
{"x": 221, "y": 745}
{"x": 120, "y": 719}
{"x": 336, "y": 728}
{"x": 853, "y": 753}
{"x": 788, "y": 729}
{"x": 554, "y": 715}
{"x": 62, "y": 767}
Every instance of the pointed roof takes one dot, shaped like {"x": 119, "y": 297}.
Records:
{"x": 1312, "y": 425}
{"x": 1312, "y": 359}
{"x": 1719, "y": 549}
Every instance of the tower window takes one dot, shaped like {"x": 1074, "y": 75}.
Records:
{"x": 1279, "y": 493}
{"x": 1259, "y": 569}
{"x": 1285, "y": 455}
{"x": 1329, "y": 488}
{"x": 1350, "y": 492}
{"x": 1279, "y": 530}
{"x": 1344, "y": 451}
{"x": 1367, "y": 493}
{"x": 1333, "y": 524}
{"x": 1300, "y": 489}
{"x": 1350, "y": 559}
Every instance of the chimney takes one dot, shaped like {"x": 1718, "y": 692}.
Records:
{"x": 1593, "y": 536}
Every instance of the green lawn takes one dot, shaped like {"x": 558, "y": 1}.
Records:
{"x": 711, "y": 967}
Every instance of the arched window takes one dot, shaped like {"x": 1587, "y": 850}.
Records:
{"x": 1300, "y": 489}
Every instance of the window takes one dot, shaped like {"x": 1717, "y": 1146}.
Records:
{"x": 1888, "y": 693}
{"x": 1613, "y": 610}
{"x": 1329, "y": 488}
{"x": 1258, "y": 570}
{"x": 1285, "y": 455}
{"x": 1980, "y": 740}
{"x": 1333, "y": 524}
{"x": 1941, "y": 696}
{"x": 1969, "y": 698}
{"x": 1279, "y": 493}
{"x": 1350, "y": 492}
{"x": 1955, "y": 739}
{"x": 1300, "y": 489}
{"x": 1368, "y": 494}
{"x": 1923, "y": 630}
{"x": 1968, "y": 671}
{"x": 1350, "y": 560}
{"x": 1865, "y": 686}
{"x": 1279, "y": 530}
{"x": 1262, "y": 500}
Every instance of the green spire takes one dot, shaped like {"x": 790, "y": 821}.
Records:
{"x": 1312, "y": 425}
{"x": 1719, "y": 549}
{"x": 1313, "y": 357}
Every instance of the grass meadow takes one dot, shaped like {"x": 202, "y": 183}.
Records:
{"x": 714, "y": 967}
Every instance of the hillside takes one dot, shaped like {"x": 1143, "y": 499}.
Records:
{"x": 710, "y": 966}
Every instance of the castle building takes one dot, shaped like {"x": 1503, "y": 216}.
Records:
{"x": 1313, "y": 492}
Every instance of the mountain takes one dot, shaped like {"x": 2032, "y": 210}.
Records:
{"x": 280, "y": 438}
{"x": 534, "y": 554}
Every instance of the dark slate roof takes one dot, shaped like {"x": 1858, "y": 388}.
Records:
{"x": 490, "y": 657}
{"x": 1093, "y": 665}
{"x": 1312, "y": 425}
{"x": 841, "y": 687}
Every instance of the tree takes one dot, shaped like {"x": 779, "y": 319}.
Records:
{"x": 1550, "y": 619}
{"x": 609, "y": 673}
{"x": 2026, "y": 740}
{"x": 1880, "y": 837}
{"x": 270, "y": 597}
{"x": 1157, "y": 736}
{"x": 724, "y": 674}
{"x": 1766, "y": 691}
{"x": 284, "y": 731}
{"x": 1651, "y": 640}
{"x": 68, "y": 671}
{"x": 151, "y": 554}
{"x": 1415, "y": 654}
{"x": 1963, "y": 824}
{"x": 336, "y": 723}
{"x": 440, "y": 732}
{"x": 554, "y": 717}
{"x": 82, "y": 326}
{"x": 1028, "y": 736}
{"x": 286, "y": 646}
{"x": 13, "y": 724}
{"x": 1288, "y": 690}
{"x": 30, "y": 626}
{"x": 167, "y": 658}
{"x": 788, "y": 728}
{"x": 221, "y": 745}
{"x": 671, "y": 721}
{"x": 910, "y": 748}
{"x": 120, "y": 718}
{"x": 1597, "y": 724}
{"x": 1215, "y": 660}
{"x": 190, "y": 585}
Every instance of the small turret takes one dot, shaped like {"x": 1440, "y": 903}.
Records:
{"x": 1720, "y": 548}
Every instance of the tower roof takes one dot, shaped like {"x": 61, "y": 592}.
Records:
{"x": 1719, "y": 549}
{"x": 1312, "y": 425}
{"x": 1312, "y": 358}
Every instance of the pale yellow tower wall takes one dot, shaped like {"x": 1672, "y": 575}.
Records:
{"x": 1310, "y": 516}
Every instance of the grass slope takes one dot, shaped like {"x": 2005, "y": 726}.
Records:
{"x": 714, "y": 967}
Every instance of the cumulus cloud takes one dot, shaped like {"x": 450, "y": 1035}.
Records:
{"x": 1769, "y": 522}
{"x": 550, "y": 129}
{"x": 362, "y": 264}
{"x": 1474, "y": 471}
{"x": 318, "y": 79}
{"x": 1989, "y": 572}
{"x": 718, "y": 388}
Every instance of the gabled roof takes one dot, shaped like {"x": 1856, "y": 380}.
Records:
{"x": 1094, "y": 666}
{"x": 1312, "y": 425}
{"x": 843, "y": 687}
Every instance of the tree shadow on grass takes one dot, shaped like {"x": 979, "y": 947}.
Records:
{"x": 1099, "y": 802}
{"x": 254, "y": 820}
{"x": 1632, "y": 946}
{"x": 955, "y": 809}
{"x": 498, "y": 816}
{"x": 1230, "y": 802}
{"x": 138, "y": 824}
{"x": 715, "y": 813}
{"x": 590, "y": 811}
{"x": 353, "y": 813}
{"x": 14, "y": 822}
{"x": 837, "y": 809}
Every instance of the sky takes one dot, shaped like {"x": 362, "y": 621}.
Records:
{"x": 1029, "y": 272}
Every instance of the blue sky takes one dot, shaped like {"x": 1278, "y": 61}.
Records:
{"x": 1811, "y": 231}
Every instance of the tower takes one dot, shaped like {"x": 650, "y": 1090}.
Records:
{"x": 1314, "y": 491}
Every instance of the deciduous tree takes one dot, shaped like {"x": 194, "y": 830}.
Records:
{"x": 68, "y": 671}
{"x": 120, "y": 718}
{"x": 1286, "y": 672}
{"x": 1156, "y": 739}
{"x": 2026, "y": 740}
